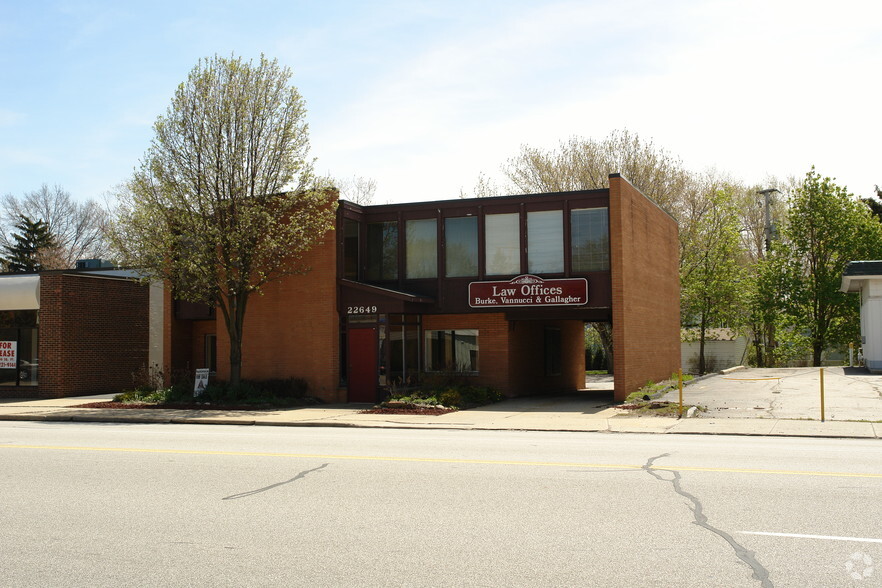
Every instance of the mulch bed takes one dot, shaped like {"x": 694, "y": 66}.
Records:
{"x": 429, "y": 411}
{"x": 183, "y": 406}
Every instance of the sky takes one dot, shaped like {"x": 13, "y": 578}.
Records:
{"x": 423, "y": 97}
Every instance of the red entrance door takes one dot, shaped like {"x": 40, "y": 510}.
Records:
{"x": 362, "y": 354}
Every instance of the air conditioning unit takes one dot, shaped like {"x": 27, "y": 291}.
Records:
{"x": 94, "y": 264}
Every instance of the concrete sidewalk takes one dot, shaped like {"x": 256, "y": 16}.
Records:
{"x": 589, "y": 412}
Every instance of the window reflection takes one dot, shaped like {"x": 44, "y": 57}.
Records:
{"x": 422, "y": 249}
{"x": 502, "y": 244}
{"x": 461, "y": 246}
{"x": 382, "y": 251}
{"x": 452, "y": 351}
{"x": 545, "y": 242}
{"x": 589, "y": 239}
{"x": 19, "y": 364}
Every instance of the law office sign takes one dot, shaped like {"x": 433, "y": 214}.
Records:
{"x": 529, "y": 290}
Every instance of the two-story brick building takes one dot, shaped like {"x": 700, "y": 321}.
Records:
{"x": 495, "y": 289}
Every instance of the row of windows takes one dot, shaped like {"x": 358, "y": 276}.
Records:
{"x": 589, "y": 245}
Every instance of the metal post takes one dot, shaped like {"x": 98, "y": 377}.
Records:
{"x": 680, "y": 386}
{"x": 851, "y": 354}
{"x": 822, "y": 395}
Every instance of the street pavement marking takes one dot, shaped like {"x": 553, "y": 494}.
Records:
{"x": 448, "y": 460}
{"x": 801, "y": 536}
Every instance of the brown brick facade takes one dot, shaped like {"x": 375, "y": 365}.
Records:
{"x": 295, "y": 328}
{"x": 93, "y": 334}
{"x": 493, "y": 343}
{"x": 290, "y": 331}
{"x": 644, "y": 253}
{"x": 511, "y": 354}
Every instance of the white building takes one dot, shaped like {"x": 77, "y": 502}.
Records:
{"x": 866, "y": 277}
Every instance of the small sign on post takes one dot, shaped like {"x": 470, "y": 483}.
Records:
{"x": 201, "y": 381}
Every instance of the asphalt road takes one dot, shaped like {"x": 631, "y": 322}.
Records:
{"x": 160, "y": 505}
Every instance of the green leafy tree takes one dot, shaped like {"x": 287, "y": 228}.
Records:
{"x": 710, "y": 270}
{"x": 875, "y": 204}
{"x": 761, "y": 312}
{"x": 225, "y": 199}
{"x": 29, "y": 247}
{"x": 826, "y": 228}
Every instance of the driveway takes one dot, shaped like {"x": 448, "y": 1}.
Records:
{"x": 788, "y": 393}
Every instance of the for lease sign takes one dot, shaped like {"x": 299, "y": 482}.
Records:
{"x": 528, "y": 290}
{"x": 8, "y": 355}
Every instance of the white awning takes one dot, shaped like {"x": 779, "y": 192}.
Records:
{"x": 20, "y": 292}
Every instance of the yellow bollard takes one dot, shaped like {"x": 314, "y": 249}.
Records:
{"x": 822, "y": 395}
{"x": 680, "y": 386}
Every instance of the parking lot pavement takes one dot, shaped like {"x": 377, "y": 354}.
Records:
{"x": 850, "y": 394}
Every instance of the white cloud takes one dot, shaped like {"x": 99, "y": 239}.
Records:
{"x": 751, "y": 88}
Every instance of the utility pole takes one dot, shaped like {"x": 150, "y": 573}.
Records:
{"x": 766, "y": 341}
{"x": 767, "y": 194}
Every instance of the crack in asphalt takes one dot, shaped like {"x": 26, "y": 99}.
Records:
{"x": 759, "y": 571}
{"x": 276, "y": 485}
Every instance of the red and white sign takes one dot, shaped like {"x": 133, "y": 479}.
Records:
{"x": 529, "y": 290}
{"x": 8, "y": 355}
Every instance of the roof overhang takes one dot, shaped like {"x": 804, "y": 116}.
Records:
{"x": 361, "y": 293}
{"x": 386, "y": 292}
{"x": 855, "y": 283}
{"x": 857, "y": 273}
{"x": 20, "y": 292}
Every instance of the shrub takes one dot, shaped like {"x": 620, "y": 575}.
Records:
{"x": 451, "y": 395}
{"x": 148, "y": 378}
{"x": 140, "y": 395}
{"x": 269, "y": 392}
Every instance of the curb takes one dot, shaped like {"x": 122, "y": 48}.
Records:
{"x": 425, "y": 426}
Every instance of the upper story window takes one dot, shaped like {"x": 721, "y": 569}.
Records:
{"x": 461, "y": 246}
{"x": 502, "y": 242}
{"x": 382, "y": 251}
{"x": 545, "y": 254}
{"x": 422, "y": 249}
{"x": 589, "y": 236}
{"x": 350, "y": 249}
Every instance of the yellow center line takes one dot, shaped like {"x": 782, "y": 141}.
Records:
{"x": 604, "y": 466}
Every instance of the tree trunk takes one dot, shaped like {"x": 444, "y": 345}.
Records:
{"x": 770, "y": 345}
{"x": 604, "y": 330}
{"x": 817, "y": 349}
{"x": 701, "y": 345}
{"x": 235, "y": 323}
{"x": 758, "y": 345}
